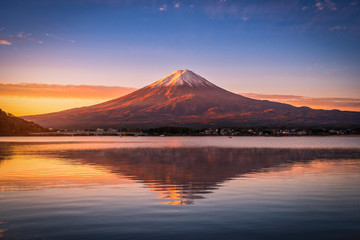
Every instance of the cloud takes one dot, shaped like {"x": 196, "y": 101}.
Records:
{"x": 243, "y": 18}
{"x": 222, "y": 9}
{"x": 320, "y": 6}
{"x": 301, "y": 16}
{"x": 326, "y": 4}
{"x": 176, "y": 5}
{"x": 62, "y": 91}
{"x": 5, "y": 42}
{"x": 330, "y": 4}
{"x": 22, "y": 36}
{"x": 163, "y": 7}
{"x": 53, "y": 36}
{"x": 270, "y": 11}
{"x": 345, "y": 104}
{"x": 337, "y": 27}
{"x": 36, "y": 38}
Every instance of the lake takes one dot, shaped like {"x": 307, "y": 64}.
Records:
{"x": 180, "y": 188}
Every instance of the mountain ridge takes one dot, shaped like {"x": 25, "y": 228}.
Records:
{"x": 184, "y": 98}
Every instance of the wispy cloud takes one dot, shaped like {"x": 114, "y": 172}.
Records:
{"x": 244, "y": 18}
{"x": 222, "y": 9}
{"x": 326, "y": 4}
{"x": 23, "y": 36}
{"x": 320, "y": 6}
{"x": 177, "y": 5}
{"x": 337, "y": 27}
{"x": 163, "y": 7}
{"x": 53, "y": 36}
{"x": 39, "y": 38}
{"x": 319, "y": 15}
{"x": 62, "y": 91}
{"x": 331, "y": 5}
{"x": 346, "y": 104}
{"x": 4, "y": 42}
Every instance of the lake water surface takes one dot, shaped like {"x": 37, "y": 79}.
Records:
{"x": 180, "y": 188}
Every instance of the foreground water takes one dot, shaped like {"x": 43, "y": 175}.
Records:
{"x": 180, "y": 188}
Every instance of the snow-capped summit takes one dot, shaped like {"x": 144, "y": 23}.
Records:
{"x": 182, "y": 77}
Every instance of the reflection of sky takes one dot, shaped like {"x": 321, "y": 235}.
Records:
{"x": 258, "y": 193}
{"x": 309, "y": 48}
{"x": 177, "y": 175}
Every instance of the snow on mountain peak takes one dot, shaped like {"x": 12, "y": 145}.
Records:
{"x": 182, "y": 77}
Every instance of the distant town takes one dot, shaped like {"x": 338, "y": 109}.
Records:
{"x": 184, "y": 131}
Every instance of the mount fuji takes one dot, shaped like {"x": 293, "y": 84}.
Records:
{"x": 184, "y": 98}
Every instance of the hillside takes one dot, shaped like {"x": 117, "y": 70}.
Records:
{"x": 14, "y": 126}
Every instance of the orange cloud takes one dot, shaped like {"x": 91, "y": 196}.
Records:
{"x": 345, "y": 104}
{"x": 4, "y": 42}
{"x": 62, "y": 91}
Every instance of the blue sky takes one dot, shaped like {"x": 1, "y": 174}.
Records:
{"x": 309, "y": 48}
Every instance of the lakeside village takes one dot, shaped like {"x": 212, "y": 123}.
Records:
{"x": 183, "y": 131}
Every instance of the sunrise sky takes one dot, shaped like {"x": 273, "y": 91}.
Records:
{"x": 58, "y": 54}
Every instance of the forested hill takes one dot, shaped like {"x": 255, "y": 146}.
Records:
{"x": 14, "y": 126}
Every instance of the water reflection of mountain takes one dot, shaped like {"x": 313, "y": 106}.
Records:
{"x": 181, "y": 175}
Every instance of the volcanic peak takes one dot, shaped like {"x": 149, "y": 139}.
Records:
{"x": 182, "y": 78}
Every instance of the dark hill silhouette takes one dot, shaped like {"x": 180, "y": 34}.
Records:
{"x": 11, "y": 125}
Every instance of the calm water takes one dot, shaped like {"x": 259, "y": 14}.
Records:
{"x": 180, "y": 188}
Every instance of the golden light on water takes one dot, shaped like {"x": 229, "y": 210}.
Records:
{"x": 34, "y": 172}
{"x": 181, "y": 176}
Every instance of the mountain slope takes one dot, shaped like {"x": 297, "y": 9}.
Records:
{"x": 11, "y": 125}
{"x": 184, "y": 98}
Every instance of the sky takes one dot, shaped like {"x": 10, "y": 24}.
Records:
{"x": 307, "y": 49}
